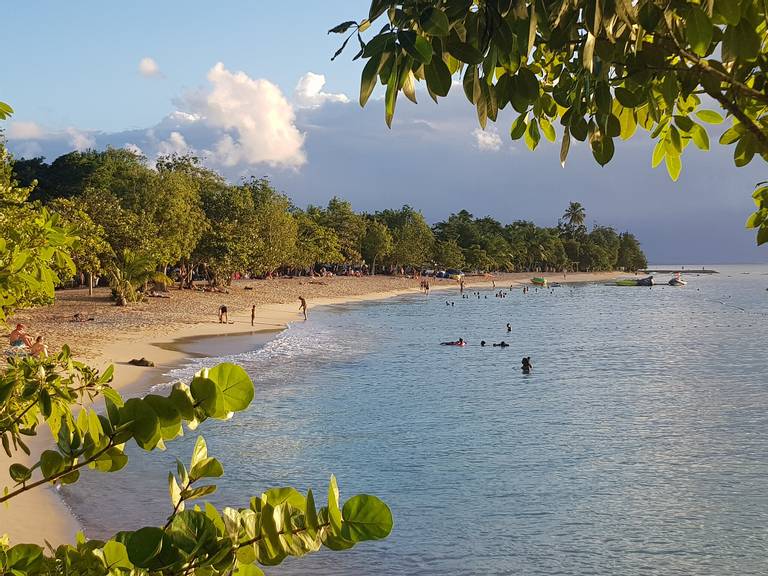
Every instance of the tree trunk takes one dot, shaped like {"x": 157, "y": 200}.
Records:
{"x": 90, "y": 283}
{"x": 373, "y": 266}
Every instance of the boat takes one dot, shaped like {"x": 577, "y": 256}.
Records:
{"x": 677, "y": 281}
{"x": 648, "y": 281}
{"x": 539, "y": 281}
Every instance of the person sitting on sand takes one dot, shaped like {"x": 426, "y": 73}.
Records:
{"x": 303, "y": 306}
{"x": 39, "y": 348}
{"x": 223, "y": 318}
{"x": 527, "y": 366}
{"x": 19, "y": 337}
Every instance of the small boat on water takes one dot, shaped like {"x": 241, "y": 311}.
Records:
{"x": 647, "y": 281}
{"x": 677, "y": 281}
{"x": 539, "y": 281}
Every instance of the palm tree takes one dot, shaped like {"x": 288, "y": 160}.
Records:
{"x": 575, "y": 215}
{"x": 130, "y": 273}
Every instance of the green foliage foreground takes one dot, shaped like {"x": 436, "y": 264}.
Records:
{"x": 199, "y": 540}
{"x": 600, "y": 68}
{"x": 60, "y": 392}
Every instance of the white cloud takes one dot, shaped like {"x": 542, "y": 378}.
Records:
{"x": 148, "y": 67}
{"x": 176, "y": 144}
{"x": 487, "y": 140}
{"x": 24, "y": 131}
{"x": 79, "y": 140}
{"x": 131, "y": 147}
{"x": 309, "y": 92}
{"x": 252, "y": 121}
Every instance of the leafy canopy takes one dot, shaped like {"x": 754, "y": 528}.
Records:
{"x": 599, "y": 68}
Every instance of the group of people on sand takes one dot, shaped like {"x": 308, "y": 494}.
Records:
{"x": 21, "y": 341}
{"x": 224, "y": 312}
{"x": 424, "y": 286}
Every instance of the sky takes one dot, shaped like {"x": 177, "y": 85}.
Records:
{"x": 249, "y": 87}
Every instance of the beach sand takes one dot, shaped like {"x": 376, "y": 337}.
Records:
{"x": 169, "y": 330}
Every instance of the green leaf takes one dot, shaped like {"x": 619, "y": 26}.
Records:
{"x": 310, "y": 514}
{"x": 565, "y": 146}
{"x": 206, "y": 468}
{"x": 144, "y": 423}
{"x": 200, "y": 451}
{"x": 698, "y": 30}
{"x": 334, "y": 512}
{"x": 235, "y": 386}
{"x": 51, "y": 463}
{"x": 247, "y": 570}
{"x": 729, "y": 10}
{"x": 23, "y": 559}
{"x": 19, "y": 473}
{"x": 434, "y": 22}
{"x": 532, "y": 135}
{"x": 390, "y": 96}
{"x": 518, "y": 127}
{"x": 626, "y": 98}
{"x": 438, "y": 76}
{"x": 547, "y": 129}
{"x": 417, "y": 46}
{"x": 368, "y": 80}
{"x": 730, "y": 136}
{"x": 144, "y": 545}
{"x": 192, "y": 531}
{"x": 116, "y": 556}
{"x": 365, "y": 517}
{"x": 709, "y": 116}
{"x": 673, "y": 166}
{"x": 700, "y": 137}
{"x": 756, "y": 219}
{"x": 602, "y": 149}
{"x": 463, "y": 51}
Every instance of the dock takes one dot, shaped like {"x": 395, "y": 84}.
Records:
{"x": 678, "y": 271}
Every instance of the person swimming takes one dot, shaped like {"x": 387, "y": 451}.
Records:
{"x": 509, "y": 327}
{"x": 482, "y": 343}
{"x": 501, "y": 344}
{"x": 526, "y": 365}
{"x": 459, "y": 342}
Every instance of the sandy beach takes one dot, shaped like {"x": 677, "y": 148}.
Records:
{"x": 169, "y": 330}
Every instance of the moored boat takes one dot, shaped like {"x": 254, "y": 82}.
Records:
{"x": 677, "y": 281}
{"x": 539, "y": 281}
{"x": 648, "y": 281}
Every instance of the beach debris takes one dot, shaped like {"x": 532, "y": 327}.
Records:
{"x": 141, "y": 362}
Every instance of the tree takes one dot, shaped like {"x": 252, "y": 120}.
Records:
{"x": 90, "y": 252}
{"x": 630, "y": 256}
{"x": 377, "y": 242}
{"x": 348, "y": 226}
{"x": 448, "y": 254}
{"x": 574, "y": 215}
{"x": 412, "y": 238}
{"x": 599, "y": 69}
{"x": 131, "y": 272}
{"x": 273, "y": 228}
{"x": 315, "y": 243}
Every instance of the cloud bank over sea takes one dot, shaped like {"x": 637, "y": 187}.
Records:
{"x": 315, "y": 143}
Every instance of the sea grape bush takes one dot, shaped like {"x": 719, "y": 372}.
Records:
{"x": 196, "y": 539}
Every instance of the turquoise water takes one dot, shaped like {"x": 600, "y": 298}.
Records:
{"x": 639, "y": 444}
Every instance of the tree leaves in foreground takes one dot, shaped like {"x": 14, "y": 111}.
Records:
{"x": 599, "y": 69}
{"x": 196, "y": 539}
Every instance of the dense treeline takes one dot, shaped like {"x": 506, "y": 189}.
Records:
{"x": 135, "y": 220}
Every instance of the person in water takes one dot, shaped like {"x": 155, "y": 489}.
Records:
{"x": 501, "y": 344}
{"x": 509, "y": 327}
{"x": 459, "y": 342}
{"x": 527, "y": 366}
{"x": 482, "y": 343}
{"x": 303, "y": 306}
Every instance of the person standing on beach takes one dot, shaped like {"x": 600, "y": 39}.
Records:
{"x": 223, "y": 318}
{"x": 253, "y": 313}
{"x": 303, "y": 306}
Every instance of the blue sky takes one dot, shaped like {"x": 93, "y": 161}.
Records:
{"x": 231, "y": 82}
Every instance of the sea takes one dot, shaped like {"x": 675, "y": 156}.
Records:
{"x": 637, "y": 445}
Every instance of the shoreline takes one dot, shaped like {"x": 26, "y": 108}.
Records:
{"x": 169, "y": 346}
